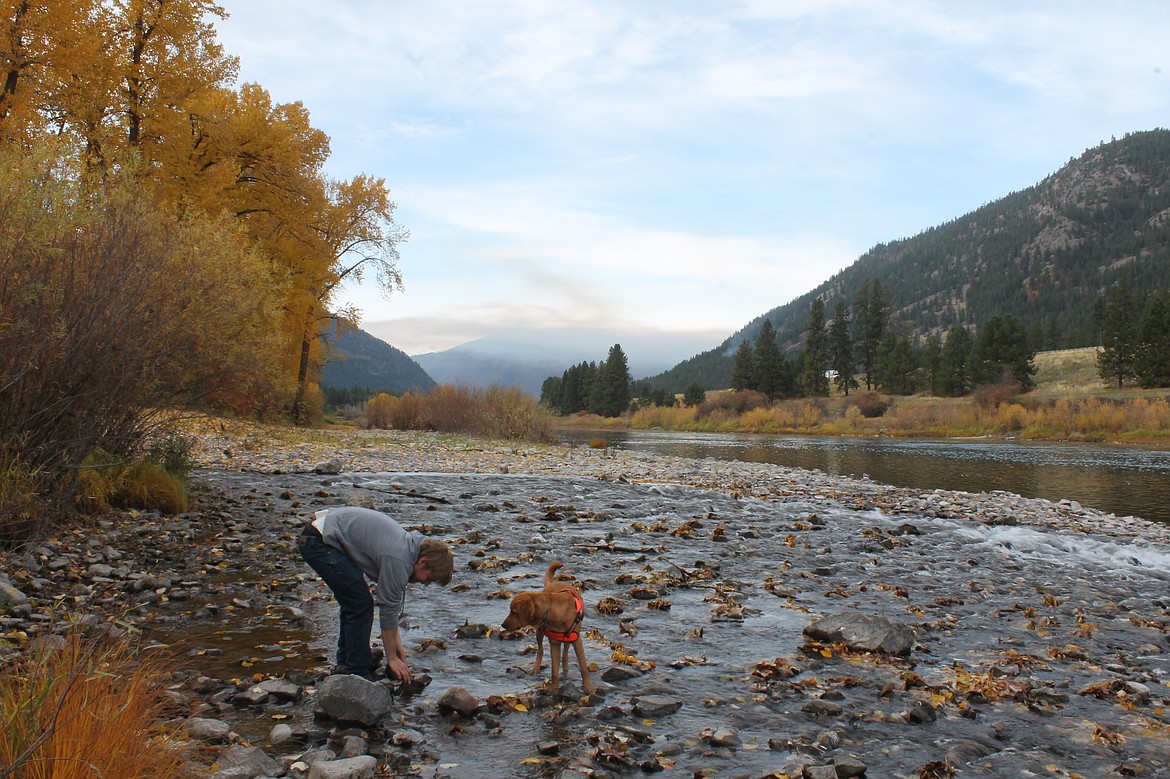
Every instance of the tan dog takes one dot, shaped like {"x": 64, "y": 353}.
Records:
{"x": 556, "y": 613}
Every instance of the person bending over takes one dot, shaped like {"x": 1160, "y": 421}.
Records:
{"x": 346, "y": 544}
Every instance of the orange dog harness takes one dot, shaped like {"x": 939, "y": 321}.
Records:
{"x": 571, "y": 634}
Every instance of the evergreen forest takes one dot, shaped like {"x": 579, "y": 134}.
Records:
{"x": 1042, "y": 256}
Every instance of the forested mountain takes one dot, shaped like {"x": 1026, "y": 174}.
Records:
{"x": 1044, "y": 255}
{"x": 361, "y": 360}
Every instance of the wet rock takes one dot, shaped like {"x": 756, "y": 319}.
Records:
{"x": 467, "y": 630}
{"x": 655, "y": 705}
{"x": 253, "y": 696}
{"x": 330, "y": 467}
{"x": 726, "y": 737}
{"x": 281, "y": 689}
{"x": 849, "y": 767}
{"x": 364, "y": 767}
{"x": 619, "y": 673}
{"x": 212, "y": 731}
{"x": 819, "y": 707}
{"x": 353, "y": 746}
{"x": 351, "y": 698}
{"x": 921, "y": 713}
{"x": 818, "y": 772}
{"x": 458, "y": 700}
{"x": 863, "y": 632}
{"x": 242, "y": 761}
{"x": 280, "y": 733}
{"x": 361, "y": 498}
{"x": 404, "y": 738}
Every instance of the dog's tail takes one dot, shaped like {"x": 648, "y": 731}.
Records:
{"x": 551, "y": 572}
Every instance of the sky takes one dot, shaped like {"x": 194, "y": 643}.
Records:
{"x": 669, "y": 170}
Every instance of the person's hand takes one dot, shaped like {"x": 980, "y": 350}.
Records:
{"x": 399, "y": 669}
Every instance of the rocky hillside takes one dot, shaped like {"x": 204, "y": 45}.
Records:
{"x": 360, "y": 360}
{"x": 1043, "y": 255}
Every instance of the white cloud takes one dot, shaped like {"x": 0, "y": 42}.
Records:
{"x": 662, "y": 164}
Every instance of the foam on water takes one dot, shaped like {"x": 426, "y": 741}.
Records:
{"x": 1129, "y": 559}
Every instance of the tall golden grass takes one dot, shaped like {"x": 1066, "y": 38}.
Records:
{"x": 495, "y": 412}
{"x": 87, "y": 710}
{"x": 1070, "y": 418}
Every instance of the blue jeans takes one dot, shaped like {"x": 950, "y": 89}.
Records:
{"x": 353, "y": 596}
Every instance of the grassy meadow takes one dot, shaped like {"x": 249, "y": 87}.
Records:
{"x": 1069, "y": 403}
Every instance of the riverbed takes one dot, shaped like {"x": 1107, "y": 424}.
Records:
{"x": 1040, "y": 628}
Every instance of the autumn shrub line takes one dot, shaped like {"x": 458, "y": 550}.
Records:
{"x": 87, "y": 709}
{"x": 495, "y": 412}
{"x": 1084, "y": 419}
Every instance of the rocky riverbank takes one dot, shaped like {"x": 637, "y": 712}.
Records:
{"x": 1033, "y": 635}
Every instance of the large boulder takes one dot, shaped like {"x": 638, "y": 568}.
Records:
{"x": 351, "y": 698}
{"x": 863, "y": 632}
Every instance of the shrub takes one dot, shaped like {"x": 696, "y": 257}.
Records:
{"x": 106, "y": 482}
{"x": 172, "y": 451}
{"x": 731, "y": 403}
{"x": 869, "y": 404}
{"x": 992, "y": 395}
{"x": 113, "y": 308}
{"x": 494, "y": 412}
{"x": 379, "y": 410}
{"x": 22, "y": 511}
{"x": 149, "y": 487}
{"x": 86, "y": 710}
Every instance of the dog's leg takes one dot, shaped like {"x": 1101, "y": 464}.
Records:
{"x": 554, "y": 656}
{"x": 579, "y": 645}
{"x": 539, "y": 652}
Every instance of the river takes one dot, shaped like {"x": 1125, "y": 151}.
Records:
{"x": 1124, "y": 480}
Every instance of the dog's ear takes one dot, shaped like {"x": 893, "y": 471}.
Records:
{"x": 524, "y": 607}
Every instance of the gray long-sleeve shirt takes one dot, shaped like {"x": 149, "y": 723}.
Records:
{"x": 384, "y": 551}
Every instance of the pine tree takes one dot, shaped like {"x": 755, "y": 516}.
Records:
{"x": 1117, "y": 318}
{"x": 611, "y": 390}
{"x": 1001, "y": 354}
{"x": 954, "y": 379}
{"x": 694, "y": 395}
{"x": 813, "y": 380}
{"x": 1153, "y": 353}
{"x": 768, "y": 362}
{"x": 841, "y": 349}
{"x": 743, "y": 368}
{"x": 870, "y": 310}
{"x": 896, "y": 363}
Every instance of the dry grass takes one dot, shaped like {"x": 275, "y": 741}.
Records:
{"x": 86, "y": 710}
{"x": 496, "y": 412}
{"x": 1069, "y": 403}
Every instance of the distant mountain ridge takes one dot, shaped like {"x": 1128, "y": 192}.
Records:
{"x": 1043, "y": 255}
{"x": 361, "y": 360}
{"x": 526, "y": 360}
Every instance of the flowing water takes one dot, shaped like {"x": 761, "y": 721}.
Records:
{"x": 1034, "y": 616}
{"x": 1123, "y": 480}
